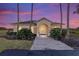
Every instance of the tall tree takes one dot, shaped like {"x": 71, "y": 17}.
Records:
{"x": 77, "y": 10}
{"x": 68, "y": 15}
{"x": 31, "y": 16}
{"x": 17, "y": 17}
{"x": 61, "y": 17}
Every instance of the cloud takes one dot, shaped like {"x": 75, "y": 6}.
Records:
{"x": 2, "y": 18}
{"x": 14, "y": 12}
{"x": 8, "y": 26}
{"x": 74, "y": 23}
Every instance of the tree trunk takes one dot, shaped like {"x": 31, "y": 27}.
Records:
{"x": 31, "y": 16}
{"x": 17, "y": 17}
{"x": 68, "y": 11}
{"x": 61, "y": 18}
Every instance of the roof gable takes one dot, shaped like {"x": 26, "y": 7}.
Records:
{"x": 45, "y": 19}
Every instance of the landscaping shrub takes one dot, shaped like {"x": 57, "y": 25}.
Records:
{"x": 25, "y": 34}
{"x": 55, "y": 33}
{"x": 11, "y": 35}
{"x": 64, "y": 32}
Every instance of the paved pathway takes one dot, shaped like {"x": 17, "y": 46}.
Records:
{"x": 42, "y": 43}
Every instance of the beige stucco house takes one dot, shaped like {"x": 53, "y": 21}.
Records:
{"x": 41, "y": 27}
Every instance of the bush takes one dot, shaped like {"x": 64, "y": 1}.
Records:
{"x": 11, "y": 35}
{"x": 64, "y": 32}
{"x": 55, "y": 33}
{"x": 25, "y": 34}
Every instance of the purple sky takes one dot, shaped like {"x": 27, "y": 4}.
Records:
{"x": 49, "y": 10}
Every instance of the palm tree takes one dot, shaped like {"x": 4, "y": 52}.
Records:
{"x": 17, "y": 17}
{"x": 77, "y": 10}
{"x": 68, "y": 11}
{"x": 31, "y": 16}
{"x": 61, "y": 17}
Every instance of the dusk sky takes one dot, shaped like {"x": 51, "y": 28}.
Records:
{"x": 50, "y": 11}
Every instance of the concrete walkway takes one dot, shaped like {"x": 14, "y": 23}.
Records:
{"x": 42, "y": 43}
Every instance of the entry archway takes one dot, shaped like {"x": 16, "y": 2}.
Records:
{"x": 43, "y": 30}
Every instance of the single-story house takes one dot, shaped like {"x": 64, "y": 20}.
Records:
{"x": 40, "y": 27}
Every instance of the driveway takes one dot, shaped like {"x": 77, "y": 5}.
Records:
{"x": 46, "y": 43}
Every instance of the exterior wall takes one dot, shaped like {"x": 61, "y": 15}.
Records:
{"x": 34, "y": 29}
{"x": 55, "y": 26}
{"x": 20, "y": 27}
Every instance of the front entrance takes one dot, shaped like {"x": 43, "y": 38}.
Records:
{"x": 43, "y": 30}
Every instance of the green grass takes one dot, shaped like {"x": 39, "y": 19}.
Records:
{"x": 14, "y": 44}
{"x": 75, "y": 32}
{"x": 3, "y": 32}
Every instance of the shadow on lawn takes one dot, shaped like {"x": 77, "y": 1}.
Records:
{"x": 16, "y": 52}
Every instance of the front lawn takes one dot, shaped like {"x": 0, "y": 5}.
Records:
{"x": 14, "y": 44}
{"x": 3, "y": 32}
{"x": 74, "y": 32}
